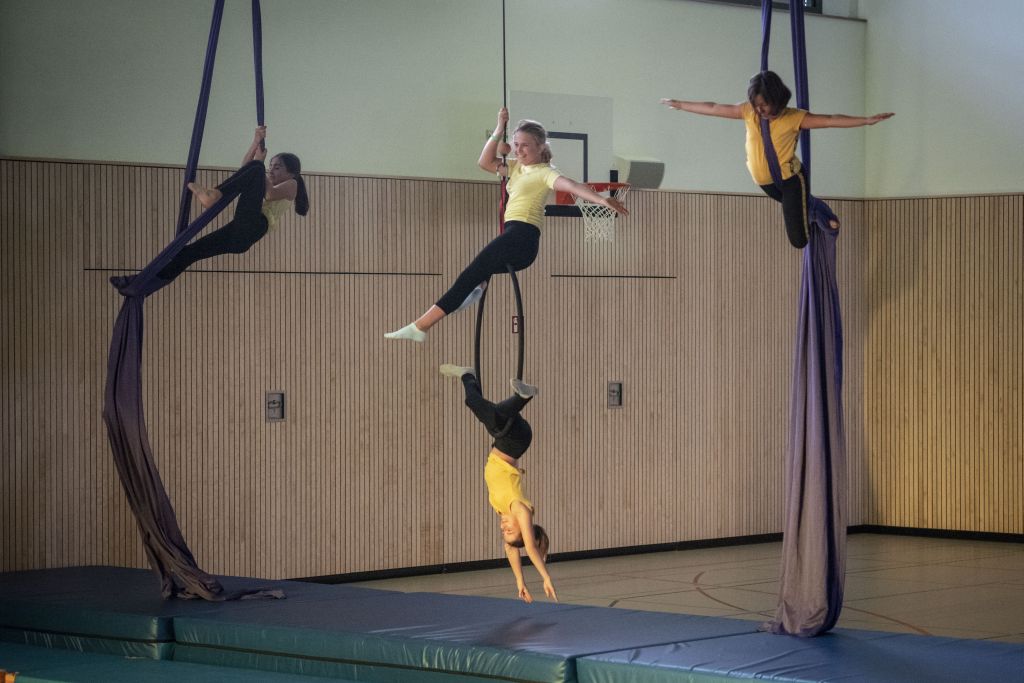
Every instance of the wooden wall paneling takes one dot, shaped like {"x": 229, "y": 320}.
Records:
{"x": 379, "y": 465}
{"x": 943, "y": 305}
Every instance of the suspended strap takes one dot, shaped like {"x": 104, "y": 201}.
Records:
{"x": 123, "y": 413}
{"x": 503, "y": 196}
{"x": 814, "y": 532}
{"x": 257, "y": 64}
{"x": 803, "y": 101}
{"x": 796, "y": 12}
{"x": 766, "y": 32}
{"x": 817, "y": 210}
{"x": 199, "y": 124}
{"x": 502, "y": 201}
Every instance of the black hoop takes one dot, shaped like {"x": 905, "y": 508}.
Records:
{"x": 522, "y": 327}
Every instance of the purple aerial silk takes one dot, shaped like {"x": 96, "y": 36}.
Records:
{"x": 123, "y": 412}
{"x": 814, "y": 532}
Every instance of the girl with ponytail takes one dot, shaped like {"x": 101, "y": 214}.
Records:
{"x": 530, "y": 177}
{"x": 265, "y": 193}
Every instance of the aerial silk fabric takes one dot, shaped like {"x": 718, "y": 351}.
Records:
{"x": 123, "y": 413}
{"x": 814, "y": 531}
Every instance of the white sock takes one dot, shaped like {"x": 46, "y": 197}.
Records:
{"x": 410, "y": 332}
{"x": 457, "y": 371}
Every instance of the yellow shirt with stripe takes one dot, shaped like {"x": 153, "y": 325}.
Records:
{"x": 785, "y": 131}
{"x": 504, "y": 485}
{"x": 273, "y": 210}
{"x": 528, "y": 187}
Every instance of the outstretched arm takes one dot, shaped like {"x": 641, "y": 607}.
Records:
{"x": 490, "y": 155}
{"x": 256, "y": 150}
{"x": 525, "y": 519}
{"x": 516, "y": 563}
{"x": 726, "y": 111}
{"x": 564, "y": 184}
{"x": 841, "y": 120}
{"x": 286, "y": 190}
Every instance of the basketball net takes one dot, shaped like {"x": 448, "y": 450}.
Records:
{"x": 598, "y": 219}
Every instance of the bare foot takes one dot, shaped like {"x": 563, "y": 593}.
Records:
{"x": 205, "y": 196}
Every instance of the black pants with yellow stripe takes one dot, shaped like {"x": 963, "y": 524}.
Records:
{"x": 793, "y": 196}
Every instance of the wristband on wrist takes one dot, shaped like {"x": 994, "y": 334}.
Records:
{"x": 495, "y": 137}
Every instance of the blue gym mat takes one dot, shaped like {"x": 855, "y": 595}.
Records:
{"x": 119, "y": 610}
{"x": 359, "y": 634}
{"x": 849, "y": 656}
{"x": 419, "y": 636}
{"x": 50, "y": 665}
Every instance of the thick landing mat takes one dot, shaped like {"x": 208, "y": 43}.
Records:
{"x": 118, "y": 610}
{"x": 842, "y": 655}
{"x": 430, "y": 637}
{"x": 47, "y": 665}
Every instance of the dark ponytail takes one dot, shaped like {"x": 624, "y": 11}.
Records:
{"x": 294, "y": 166}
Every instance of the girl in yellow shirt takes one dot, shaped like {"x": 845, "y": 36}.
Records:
{"x": 530, "y": 178}
{"x": 767, "y": 97}
{"x": 512, "y": 436}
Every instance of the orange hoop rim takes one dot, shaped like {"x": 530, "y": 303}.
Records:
{"x": 567, "y": 198}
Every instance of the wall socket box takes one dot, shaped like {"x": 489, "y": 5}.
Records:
{"x": 274, "y": 406}
{"x": 614, "y": 394}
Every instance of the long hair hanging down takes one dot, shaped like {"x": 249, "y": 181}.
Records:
{"x": 294, "y": 166}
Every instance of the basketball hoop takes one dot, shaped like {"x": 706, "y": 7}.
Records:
{"x": 598, "y": 219}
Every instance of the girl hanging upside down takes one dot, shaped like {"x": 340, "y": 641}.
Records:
{"x": 264, "y": 195}
{"x": 512, "y": 436}
{"x": 767, "y": 97}
{"x": 530, "y": 177}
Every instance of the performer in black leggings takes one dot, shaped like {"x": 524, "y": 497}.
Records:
{"x": 511, "y": 433}
{"x": 530, "y": 178}
{"x": 246, "y": 228}
{"x": 512, "y": 436}
{"x": 264, "y": 194}
{"x": 794, "y": 199}
{"x": 516, "y": 246}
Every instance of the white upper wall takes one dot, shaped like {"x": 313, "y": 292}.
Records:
{"x": 952, "y": 72}
{"x": 407, "y": 87}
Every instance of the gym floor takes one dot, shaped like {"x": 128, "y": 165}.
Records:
{"x": 930, "y": 586}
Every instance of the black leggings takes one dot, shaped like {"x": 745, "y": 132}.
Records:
{"x": 512, "y": 434}
{"x": 793, "y": 196}
{"x": 516, "y": 246}
{"x": 246, "y": 228}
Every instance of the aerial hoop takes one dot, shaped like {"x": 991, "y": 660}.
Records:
{"x": 502, "y": 196}
{"x": 519, "y": 317}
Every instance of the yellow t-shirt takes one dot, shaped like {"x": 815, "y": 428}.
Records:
{"x": 504, "y": 485}
{"x": 528, "y": 187}
{"x": 785, "y": 130}
{"x": 273, "y": 210}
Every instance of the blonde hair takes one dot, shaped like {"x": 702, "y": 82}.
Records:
{"x": 536, "y": 130}
{"x": 541, "y": 538}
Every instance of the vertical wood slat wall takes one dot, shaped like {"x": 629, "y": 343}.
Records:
{"x": 945, "y": 364}
{"x": 378, "y": 464}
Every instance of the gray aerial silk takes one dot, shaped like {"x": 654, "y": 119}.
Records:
{"x": 123, "y": 413}
{"x": 814, "y": 531}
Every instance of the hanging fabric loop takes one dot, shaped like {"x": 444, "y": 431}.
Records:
{"x": 814, "y": 532}
{"x": 162, "y": 539}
